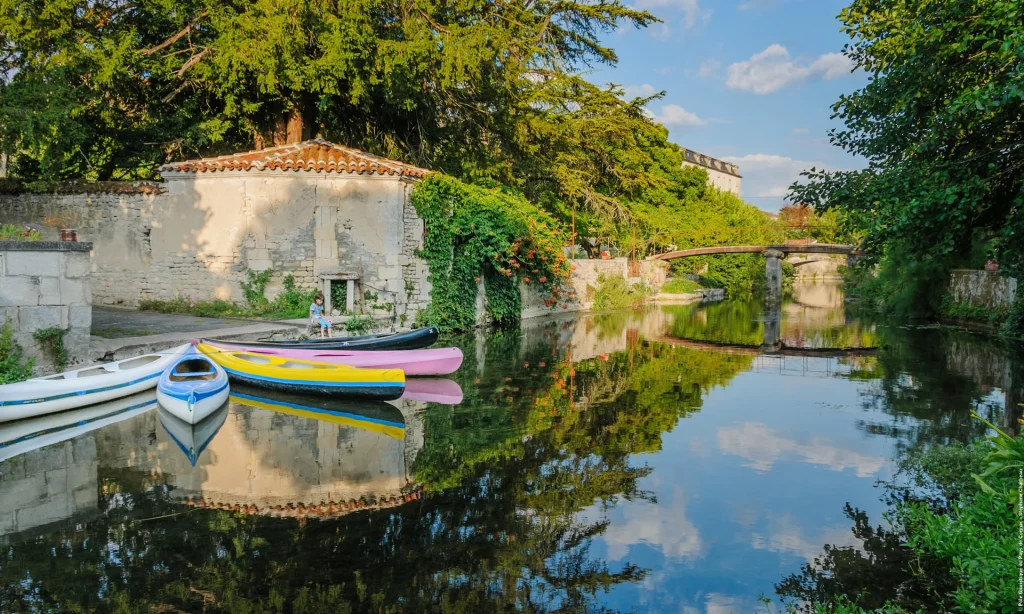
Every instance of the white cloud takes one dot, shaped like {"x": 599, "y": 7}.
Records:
{"x": 772, "y": 69}
{"x": 767, "y": 177}
{"x": 692, "y": 13}
{"x": 801, "y": 131}
{"x": 763, "y": 448}
{"x": 708, "y": 68}
{"x": 675, "y": 115}
{"x": 638, "y": 91}
{"x": 787, "y": 536}
{"x": 664, "y": 70}
{"x": 660, "y": 525}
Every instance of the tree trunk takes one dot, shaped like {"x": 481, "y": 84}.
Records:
{"x": 290, "y": 127}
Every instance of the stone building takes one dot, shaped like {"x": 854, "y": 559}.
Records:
{"x": 311, "y": 209}
{"x": 723, "y": 175}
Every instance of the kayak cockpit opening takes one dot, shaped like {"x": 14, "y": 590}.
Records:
{"x": 191, "y": 370}
{"x": 303, "y": 365}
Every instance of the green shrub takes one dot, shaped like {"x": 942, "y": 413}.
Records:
{"x": 965, "y": 311}
{"x": 254, "y": 286}
{"x": 680, "y": 286}
{"x": 13, "y": 232}
{"x": 14, "y": 366}
{"x": 614, "y": 293}
{"x": 360, "y": 324}
{"x": 52, "y": 342}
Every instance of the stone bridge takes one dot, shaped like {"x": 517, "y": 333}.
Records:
{"x": 774, "y": 255}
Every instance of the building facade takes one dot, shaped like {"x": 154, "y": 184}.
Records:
{"x": 310, "y": 209}
{"x": 723, "y": 175}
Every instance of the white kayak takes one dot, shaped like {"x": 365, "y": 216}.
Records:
{"x": 193, "y": 387}
{"x": 192, "y": 439}
{"x": 86, "y": 386}
{"x": 21, "y": 436}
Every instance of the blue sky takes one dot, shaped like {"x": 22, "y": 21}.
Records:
{"x": 749, "y": 81}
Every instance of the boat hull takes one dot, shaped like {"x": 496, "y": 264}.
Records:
{"x": 191, "y": 397}
{"x": 440, "y": 361}
{"x": 86, "y": 386}
{"x": 292, "y": 375}
{"x": 412, "y": 340}
{"x": 367, "y": 392}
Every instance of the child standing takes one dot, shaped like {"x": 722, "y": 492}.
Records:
{"x": 316, "y": 315}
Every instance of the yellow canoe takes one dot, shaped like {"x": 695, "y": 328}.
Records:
{"x": 307, "y": 376}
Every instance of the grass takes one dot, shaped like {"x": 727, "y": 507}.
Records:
{"x": 680, "y": 286}
{"x": 290, "y": 304}
{"x": 13, "y": 232}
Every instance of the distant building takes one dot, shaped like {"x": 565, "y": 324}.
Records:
{"x": 723, "y": 175}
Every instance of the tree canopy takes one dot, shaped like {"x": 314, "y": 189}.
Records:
{"x": 941, "y": 125}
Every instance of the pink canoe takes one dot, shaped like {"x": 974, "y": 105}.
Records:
{"x": 440, "y": 361}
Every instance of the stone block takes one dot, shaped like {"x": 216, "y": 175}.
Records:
{"x": 33, "y": 263}
{"x": 390, "y": 272}
{"x": 35, "y": 318}
{"x": 52, "y": 510}
{"x": 7, "y": 524}
{"x": 80, "y": 316}
{"x": 77, "y": 264}
{"x": 83, "y": 449}
{"x": 19, "y": 291}
{"x": 259, "y": 265}
{"x": 12, "y": 469}
{"x": 18, "y": 494}
{"x": 49, "y": 291}
{"x": 73, "y": 291}
{"x": 258, "y": 254}
{"x": 56, "y": 482}
{"x": 85, "y": 498}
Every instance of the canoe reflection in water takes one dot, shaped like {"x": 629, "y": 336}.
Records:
{"x": 432, "y": 390}
{"x": 22, "y": 436}
{"x": 192, "y": 439}
{"x": 375, "y": 416}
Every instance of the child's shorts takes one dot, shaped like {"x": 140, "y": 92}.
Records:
{"x": 323, "y": 322}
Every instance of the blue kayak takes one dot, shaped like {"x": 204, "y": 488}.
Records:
{"x": 193, "y": 387}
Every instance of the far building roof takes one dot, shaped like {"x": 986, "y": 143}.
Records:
{"x": 712, "y": 163}
{"x": 315, "y": 155}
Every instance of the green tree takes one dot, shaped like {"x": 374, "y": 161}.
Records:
{"x": 940, "y": 125}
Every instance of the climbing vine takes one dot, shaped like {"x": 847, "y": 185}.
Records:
{"x": 255, "y": 285}
{"x": 52, "y": 342}
{"x": 14, "y": 365}
{"x": 476, "y": 233}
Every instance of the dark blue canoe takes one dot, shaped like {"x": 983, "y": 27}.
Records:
{"x": 411, "y": 340}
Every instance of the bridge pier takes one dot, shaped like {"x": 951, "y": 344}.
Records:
{"x": 773, "y": 275}
{"x": 772, "y": 317}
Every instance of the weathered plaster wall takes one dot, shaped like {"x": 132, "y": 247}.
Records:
{"x": 987, "y": 289}
{"x": 45, "y": 284}
{"x": 199, "y": 232}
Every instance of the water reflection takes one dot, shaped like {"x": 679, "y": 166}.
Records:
{"x": 653, "y": 461}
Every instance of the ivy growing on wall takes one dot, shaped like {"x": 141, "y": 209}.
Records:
{"x": 52, "y": 342}
{"x": 475, "y": 233}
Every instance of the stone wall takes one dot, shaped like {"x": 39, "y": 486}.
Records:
{"x": 196, "y": 234}
{"x": 48, "y": 485}
{"x": 987, "y": 289}
{"x": 585, "y": 282}
{"x": 45, "y": 284}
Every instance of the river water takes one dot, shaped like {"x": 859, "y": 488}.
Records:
{"x": 689, "y": 458}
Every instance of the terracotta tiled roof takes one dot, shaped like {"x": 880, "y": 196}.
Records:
{"x": 316, "y": 155}
{"x": 302, "y": 510}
